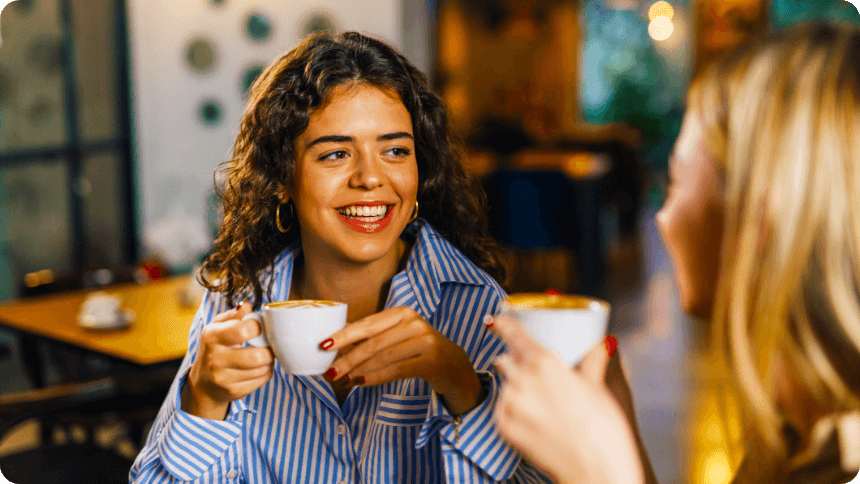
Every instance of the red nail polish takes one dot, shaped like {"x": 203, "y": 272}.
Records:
{"x": 359, "y": 380}
{"x": 346, "y": 378}
{"x": 327, "y": 344}
{"x": 553, "y": 292}
{"x": 611, "y": 345}
{"x": 330, "y": 374}
{"x": 240, "y": 305}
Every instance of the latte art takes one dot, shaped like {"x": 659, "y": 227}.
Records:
{"x": 304, "y": 303}
{"x": 555, "y": 301}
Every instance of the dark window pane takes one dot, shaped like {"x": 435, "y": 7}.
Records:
{"x": 36, "y": 219}
{"x": 103, "y": 210}
{"x": 95, "y": 57}
{"x": 32, "y": 104}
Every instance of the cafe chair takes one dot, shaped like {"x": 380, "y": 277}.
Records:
{"x": 71, "y": 462}
{"x": 71, "y": 365}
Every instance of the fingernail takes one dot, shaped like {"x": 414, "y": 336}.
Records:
{"x": 488, "y": 321}
{"x": 359, "y": 380}
{"x": 553, "y": 292}
{"x": 330, "y": 374}
{"x": 240, "y": 305}
{"x": 327, "y": 344}
{"x": 611, "y": 345}
{"x": 346, "y": 378}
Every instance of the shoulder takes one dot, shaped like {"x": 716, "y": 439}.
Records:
{"x": 451, "y": 265}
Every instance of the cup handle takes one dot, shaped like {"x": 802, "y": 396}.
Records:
{"x": 259, "y": 341}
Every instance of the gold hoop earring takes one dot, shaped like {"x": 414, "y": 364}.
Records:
{"x": 414, "y": 213}
{"x": 278, "y": 218}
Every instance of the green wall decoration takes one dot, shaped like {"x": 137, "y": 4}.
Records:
{"x": 258, "y": 28}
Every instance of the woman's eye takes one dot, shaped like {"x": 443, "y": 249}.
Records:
{"x": 334, "y": 155}
{"x": 399, "y": 151}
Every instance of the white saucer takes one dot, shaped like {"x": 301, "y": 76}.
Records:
{"x": 123, "y": 320}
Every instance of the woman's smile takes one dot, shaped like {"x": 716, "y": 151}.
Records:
{"x": 367, "y": 217}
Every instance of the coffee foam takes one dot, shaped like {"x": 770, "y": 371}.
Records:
{"x": 555, "y": 301}
{"x": 304, "y": 303}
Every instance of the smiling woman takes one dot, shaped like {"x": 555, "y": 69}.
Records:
{"x": 341, "y": 143}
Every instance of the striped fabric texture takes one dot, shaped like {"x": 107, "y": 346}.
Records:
{"x": 292, "y": 430}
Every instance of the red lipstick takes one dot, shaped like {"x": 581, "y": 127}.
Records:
{"x": 368, "y": 227}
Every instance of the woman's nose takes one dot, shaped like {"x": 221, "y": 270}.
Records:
{"x": 367, "y": 172}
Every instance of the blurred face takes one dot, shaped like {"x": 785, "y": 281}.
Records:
{"x": 356, "y": 176}
{"x": 691, "y": 220}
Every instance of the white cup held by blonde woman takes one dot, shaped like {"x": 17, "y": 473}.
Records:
{"x": 294, "y": 329}
{"x": 567, "y": 325}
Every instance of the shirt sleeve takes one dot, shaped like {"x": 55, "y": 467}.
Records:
{"x": 476, "y": 438}
{"x": 180, "y": 446}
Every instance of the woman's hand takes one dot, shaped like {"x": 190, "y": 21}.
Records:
{"x": 567, "y": 423}
{"x": 397, "y": 343}
{"x": 224, "y": 371}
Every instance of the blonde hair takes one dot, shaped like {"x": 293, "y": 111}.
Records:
{"x": 782, "y": 120}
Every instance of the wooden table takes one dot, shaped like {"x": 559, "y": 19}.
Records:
{"x": 159, "y": 333}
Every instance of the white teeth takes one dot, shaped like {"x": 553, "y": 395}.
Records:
{"x": 376, "y": 211}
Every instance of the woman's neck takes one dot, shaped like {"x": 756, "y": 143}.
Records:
{"x": 363, "y": 286}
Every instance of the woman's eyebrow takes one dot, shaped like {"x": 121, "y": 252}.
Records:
{"x": 330, "y": 139}
{"x": 397, "y": 135}
{"x": 349, "y": 139}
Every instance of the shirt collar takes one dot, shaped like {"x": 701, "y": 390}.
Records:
{"x": 433, "y": 262}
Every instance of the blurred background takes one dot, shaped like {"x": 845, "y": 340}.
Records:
{"x": 115, "y": 114}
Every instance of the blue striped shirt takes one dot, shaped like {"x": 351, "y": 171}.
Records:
{"x": 293, "y": 430}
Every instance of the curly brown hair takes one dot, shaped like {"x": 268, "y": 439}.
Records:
{"x": 279, "y": 106}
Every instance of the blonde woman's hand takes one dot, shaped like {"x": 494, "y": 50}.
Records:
{"x": 224, "y": 371}
{"x": 566, "y": 422}
{"x": 398, "y": 343}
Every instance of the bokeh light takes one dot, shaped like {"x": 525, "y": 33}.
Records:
{"x": 661, "y": 8}
{"x": 661, "y": 28}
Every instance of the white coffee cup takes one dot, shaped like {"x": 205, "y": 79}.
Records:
{"x": 294, "y": 331}
{"x": 567, "y": 325}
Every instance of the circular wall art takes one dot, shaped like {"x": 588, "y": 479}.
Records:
{"x": 249, "y": 75}
{"x": 318, "y": 22}
{"x": 6, "y": 86}
{"x": 40, "y": 111}
{"x": 210, "y": 113}
{"x": 23, "y": 7}
{"x": 257, "y": 27}
{"x": 200, "y": 55}
{"x": 45, "y": 54}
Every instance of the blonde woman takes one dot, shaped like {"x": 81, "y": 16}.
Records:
{"x": 762, "y": 222}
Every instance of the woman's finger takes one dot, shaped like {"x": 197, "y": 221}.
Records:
{"x": 409, "y": 368}
{"x": 234, "y": 332}
{"x": 242, "y": 388}
{"x": 248, "y": 358}
{"x": 367, "y": 327}
{"x": 236, "y": 376}
{"x": 389, "y": 356}
{"x": 593, "y": 365}
{"x": 375, "y": 344}
{"x": 521, "y": 345}
{"x": 238, "y": 312}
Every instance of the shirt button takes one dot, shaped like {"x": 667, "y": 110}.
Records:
{"x": 232, "y": 474}
{"x": 341, "y": 429}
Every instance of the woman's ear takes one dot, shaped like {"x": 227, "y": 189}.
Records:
{"x": 283, "y": 194}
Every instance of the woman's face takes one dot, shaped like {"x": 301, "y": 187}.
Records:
{"x": 691, "y": 220}
{"x": 356, "y": 176}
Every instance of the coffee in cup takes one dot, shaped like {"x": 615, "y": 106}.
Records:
{"x": 567, "y": 325}
{"x": 294, "y": 330}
